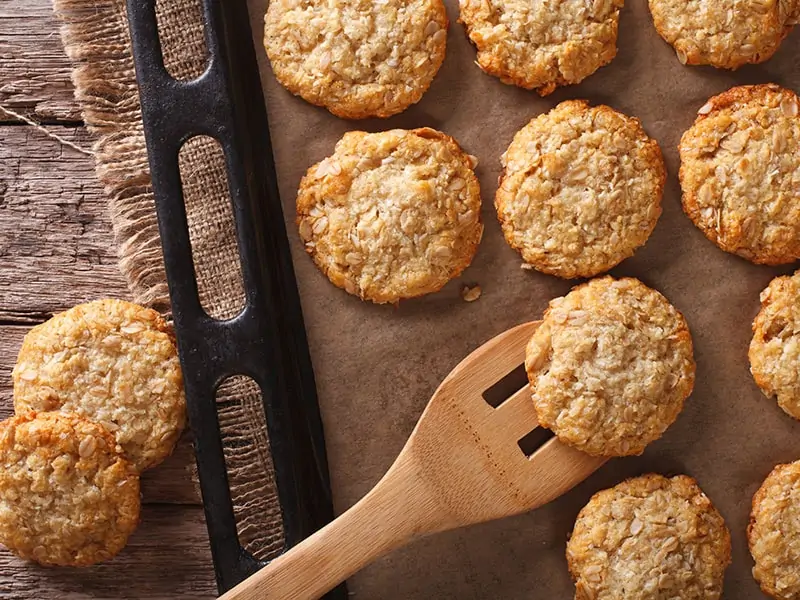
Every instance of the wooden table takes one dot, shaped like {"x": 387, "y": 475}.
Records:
{"x": 56, "y": 250}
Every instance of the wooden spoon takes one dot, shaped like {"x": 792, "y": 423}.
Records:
{"x": 461, "y": 465}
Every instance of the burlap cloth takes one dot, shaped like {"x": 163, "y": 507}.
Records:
{"x": 376, "y": 366}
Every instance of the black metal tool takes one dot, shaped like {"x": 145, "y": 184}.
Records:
{"x": 267, "y": 341}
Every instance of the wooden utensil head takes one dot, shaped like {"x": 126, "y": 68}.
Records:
{"x": 466, "y": 451}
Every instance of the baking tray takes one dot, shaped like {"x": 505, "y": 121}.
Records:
{"x": 266, "y": 341}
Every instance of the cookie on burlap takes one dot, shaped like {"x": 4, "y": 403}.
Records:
{"x": 113, "y": 362}
{"x": 740, "y": 173}
{"x": 391, "y": 215}
{"x": 610, "y": 366}
{"x": 774, "y": 533}
{"x": 357, "y": 59}
{"x": 580, "y": 190}
{"x": 723, "y": 33}
{"x": 649, "y": 538}
{"x": 542, "y": 45}
{"x": 775, "y": 347}
{"x": 67, "y": 495}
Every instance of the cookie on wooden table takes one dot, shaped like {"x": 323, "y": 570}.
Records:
{"x": 391, "y": 215}
{"x": 740, "y": 173}
{"x": 542, "y": 45}
{"x": 67, "y": 495}
{"x": 774, "y": 533}
{"x": 113, "y": 362}
{"x": 775, "y": 347}
{"x": 610, "y": 366}
{"x": 723, "y": 33}
{"x": 580, "y": 190}
{"x": 358, "y": 59}
{"x": 649, "y": 538}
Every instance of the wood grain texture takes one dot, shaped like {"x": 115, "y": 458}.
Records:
{"x": 34, "y": 71}
{"x": 167, "y": 557}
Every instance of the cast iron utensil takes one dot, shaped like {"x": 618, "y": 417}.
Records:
{"x": 461, "y": 465}
{"x": 267, "y": 341}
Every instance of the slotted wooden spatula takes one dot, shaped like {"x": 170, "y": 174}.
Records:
{"x": 461, "y": 465}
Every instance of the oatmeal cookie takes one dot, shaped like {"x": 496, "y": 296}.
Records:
{"x": 774, "y": 533}
{"x": 580, "y": 190}
{"x": 723, "y": 33}
{"x": 391, "y": 215}
{"x": 542, "y": 45}
{"x": 357, "y": 59}
{"x": 67, "y": 495}
{"x": 740, "y": 173}
{"x": 610, "y": 366}
{"x": 775, "y": 347}
{"x": 649, "y": 538}
{"x": 113, "y": 362}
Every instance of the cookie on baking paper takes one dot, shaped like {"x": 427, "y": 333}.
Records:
{"x": 113, "y": 362}
{"x": 724, "y": 33}
{"x": 542, "y": 45}
{"x": 774, "y": 533}
{"x": 649, "y": 538}
{"x": 580, "y": 190}
{"x": 610, "y": 366}
{"x": 67, "y": 495}
{"x": 357, "y": 59}
{"x": 775, "y": 347}
{"x": 740, "y": 173}
{"x": 391, "y": 215}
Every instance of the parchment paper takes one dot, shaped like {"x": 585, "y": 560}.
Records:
{"x": 377, "y": 366}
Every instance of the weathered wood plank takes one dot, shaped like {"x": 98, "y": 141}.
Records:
{"x": 167, "y": 557}
{"x": 34, "y": 71}
{"x": 56, "y": 247}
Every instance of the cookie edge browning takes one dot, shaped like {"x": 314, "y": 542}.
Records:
{"x": 305, "y": 202}
{"x": 740, "y": 94}
{"x": 695, "y": 59}
{"x": 599, "y": 498}
{"x": 503, "y": 197}
{"x": 356, "y": 111}
{"x": 686, "y": 337}
{"x": 129, "y": 509}
{"x": 758, "y": 498}
{"x": 155, "y": 321}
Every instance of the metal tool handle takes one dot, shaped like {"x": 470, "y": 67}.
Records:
{"x": 267, "y": 341}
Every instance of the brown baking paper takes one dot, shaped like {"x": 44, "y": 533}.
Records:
{"x": 377, "y": 366}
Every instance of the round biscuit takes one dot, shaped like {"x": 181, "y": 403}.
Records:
{"x": 774, "y": 533}
{"x": 649, "y": 538}
{"x": 580, "y": 190}
{"x": 542, "y": 45}
{"x": 391, "y": 215}
{"x": 67, "y": 495}
{"x": 775, "y": 347}
{"x": 723, "y": 33}
{"x": 740, "y": 173}
{"x": 113, "y": 362}
{"x": 610, "y": 366}
{"x": 357, "y": 59}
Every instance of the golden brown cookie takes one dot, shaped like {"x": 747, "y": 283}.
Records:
{"x": 580, "y": 190}
{"x": 610, "y": 366}
{"x": 774, "y": 533}
{"x": 391, "y": 215}
{"x": 67, "y": 495}
{"x": 649, "y": 538}
{"x": 357, "y": 59}
{"x": 113, "y": 362}
{"x": 542, "y": 45}
{"x": 740, "y": 173}
{"x": 723, "y": 33}
{"x": 775, "y": 347}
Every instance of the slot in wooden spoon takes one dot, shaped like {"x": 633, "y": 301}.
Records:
{"x": 462, "y": 465}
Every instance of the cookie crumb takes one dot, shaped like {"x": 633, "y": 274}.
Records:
{"x": 471, "y": 293}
